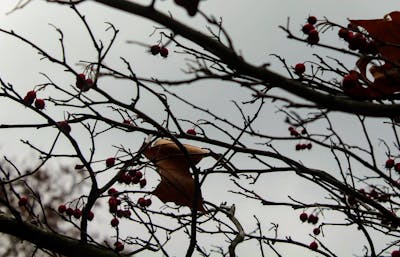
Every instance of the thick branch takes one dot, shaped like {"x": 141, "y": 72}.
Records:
{"x": 228, "y": 56}
{"x": 63, "y": 245}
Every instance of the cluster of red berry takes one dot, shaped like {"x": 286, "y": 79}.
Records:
{"x": 77, "y": 213}
{"x": 189, "y": 5}
{"x": 83, "y": 83}
{"x": 312, "y": 219}
{"x": 295, "y": 133}
{"x": 390, "y": 163}
{"x": 132, "y": 177}
{"x": 357, "y": 41}
{"x": 30, "y": 97}
{"x": 156, "y": 49}
{"x": 310, "y": 30}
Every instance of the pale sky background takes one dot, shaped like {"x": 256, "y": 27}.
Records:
{"x": 253, "y": 26}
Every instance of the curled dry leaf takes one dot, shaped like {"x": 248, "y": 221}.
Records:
{"x": 386, "y": 34}
{"x": 177, "y": 184}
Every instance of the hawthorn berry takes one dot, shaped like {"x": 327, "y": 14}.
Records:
{"x": 191, "y": 131}
{"x": 135, "y": 180}
{"x": 395, "y": 253}
{"x": 112, "y": 191}
{"x": 64, "y": 126}
{"x": 126, "y": 213}
{"x": 312, "y": 20}
{"x": 39, "y": 103}
{"x": 389, "y": 163}
{"x": 298, "y": 147}
{"x": 397, "y": 167}
{"x": 142, "y": 182}
{"x": 113, "y": 202}
{"x": 120, "y": 213}
{"x": 23, "y": 201}
{"x": 164, "y": 52}
{"x": 309, "y": 146}
{"x": 303, "y": 217}
{"x": 299, "y": 68}
{"x": 118, "y": 246}
{"x": 316, "y": 231}
{"x": 114, "y": 222}
{"x": 313, "y": 245}
{"x": 90, "y": 216}
{"x": 307, "y": 28}
{"x": 69, "y": 211}
{"x": 155, "y": 49}
{"x": 77, "y": 213}
{"x": 62, "y": 208}
{"x": 142, "y": 202}
{"x": 30, "y": 97}
{"x": 148, "y": 202}
{"x": 344, "y": 33}
{"x": 313, "y": 37}
{"x": 312, "y": 219}
{"x": 110, "y": 162}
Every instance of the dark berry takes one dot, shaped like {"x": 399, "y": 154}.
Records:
{"x": 299, "y": 68}
{"x": 312, "y": 20}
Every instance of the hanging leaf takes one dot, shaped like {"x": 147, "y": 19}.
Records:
{"x": 177, "y": 184}
{"x": 190, "y": 6}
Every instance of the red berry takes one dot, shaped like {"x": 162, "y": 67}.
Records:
{"x": 316, "y": 231}
{"x": 139, "y": 174}
{"x": 343, "y": 33}
{"x": 307, "y": 28}
{"x": 142, "y": 202}
{"x": 113, "y": 202}
{"x": 90, "y": 215}
{"x": 298, "y": 147}
{"x": 303, "y": 217}
{"x": 312, "y": 20}
{"x": 118, "y": 246}
{"x": 69, "y": 211}
{"x": 77, "y": 213}
{"x": 142, "y": 183}
{"x": 164, "y": 52}
{"x": 397, "y": 167}
{"x": 62, "y": 208}
{"x": 29, "y": 97}
{"x": 112, "y": 191}
{"x": 39, "y": 103}
{"x": 294, "y": 133}
{"x": 64, "y": 126}
{"x": 23, "y": 201}
{"x": 80, "y": 81}
{"x": 191, "y": 131}
{"x": 309, "y": 146}
{"x": 313, "y": 37}
{"x": 114, "y": 222}
{"x": 389, "y": 163}
{"x": 110, "y": 162}
{"x": 299, "y": 68}
{"x": 126, "y": 213}
{"x": 312, "y": 219}
{"x": 148, "y": 202}
{"x": 395, "y": 253}
{"x": 155, "y": 49}
{"x": 314, "y": 246}
{"x": 120, "y": 213}
{"x": 127, "y": 122}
